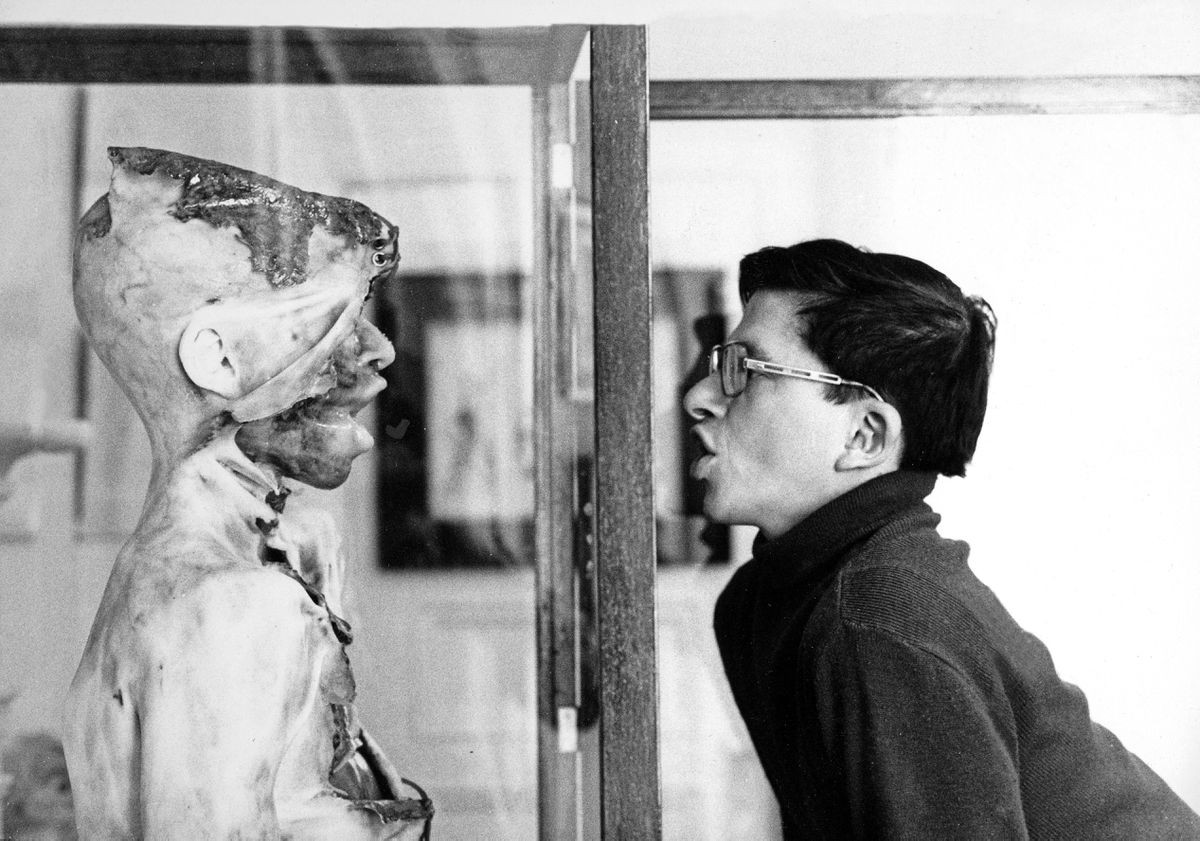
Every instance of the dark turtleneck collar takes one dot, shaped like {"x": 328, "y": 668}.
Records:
{"x": 833, "y": 528}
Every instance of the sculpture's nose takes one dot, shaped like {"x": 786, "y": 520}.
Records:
{"x": 375, "y": 350}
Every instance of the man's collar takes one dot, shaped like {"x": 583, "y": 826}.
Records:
{"x": 826, "y": 534}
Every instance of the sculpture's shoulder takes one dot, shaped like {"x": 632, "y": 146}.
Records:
{"x": 173, "y": 636}
{"x": 179, "y": 601}
{"x": 249, "y": 639}
{"x": 233, "y": 604}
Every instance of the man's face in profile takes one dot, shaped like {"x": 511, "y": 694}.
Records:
{"x": 770, "y": 450}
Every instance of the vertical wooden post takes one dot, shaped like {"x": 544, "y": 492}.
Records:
{"x": 631, "y": 799}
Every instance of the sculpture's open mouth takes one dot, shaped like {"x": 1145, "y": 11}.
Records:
{"x": 354, "y": 395}
{"x": 336, "y": 411}
{"x": 316, "y": 440}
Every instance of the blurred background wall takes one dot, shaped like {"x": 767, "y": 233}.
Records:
{"x": 1078, "y": 230}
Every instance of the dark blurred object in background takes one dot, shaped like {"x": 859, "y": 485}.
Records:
{"x": 38, "y": 805}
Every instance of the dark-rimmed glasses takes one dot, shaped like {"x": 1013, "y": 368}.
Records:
{"x": 734, "y": 363}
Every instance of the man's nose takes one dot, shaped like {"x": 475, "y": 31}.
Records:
{"x": 375, "y": 350}
{"x": 705, "y": 399}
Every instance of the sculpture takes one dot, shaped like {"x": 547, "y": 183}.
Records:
{"x": 215, "y": 698}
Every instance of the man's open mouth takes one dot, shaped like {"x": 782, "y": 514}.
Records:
{"x": 703, "y": 453}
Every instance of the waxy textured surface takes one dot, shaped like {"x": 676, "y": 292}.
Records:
{"x": 273, "y": 219}
{"x": 215, "y": 698}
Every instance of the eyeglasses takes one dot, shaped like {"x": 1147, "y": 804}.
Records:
{"x": 733, "y": 363}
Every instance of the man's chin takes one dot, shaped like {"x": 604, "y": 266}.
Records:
{"x": 719, "y": 511}
{"x": 713, "y": 510}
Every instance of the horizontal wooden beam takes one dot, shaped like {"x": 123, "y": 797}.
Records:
{"x": 286, "y": 55}
{"x": 876, "y": 98}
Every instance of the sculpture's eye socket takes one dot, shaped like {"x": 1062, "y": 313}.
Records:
{"x": 385, "y": 259}
{"x": 386, "y": 252}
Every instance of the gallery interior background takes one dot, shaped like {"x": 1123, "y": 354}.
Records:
{"x": 978, "y": 199}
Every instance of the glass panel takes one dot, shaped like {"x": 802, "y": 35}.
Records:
{"x": 438, "y": 522}
{"x": 456, "y": 482}
{"x": 1080, "y": 232}
{"x": 569, "y": 712}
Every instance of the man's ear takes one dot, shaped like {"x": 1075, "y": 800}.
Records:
{"x": 875, "y": 438}
{"x": 208, "y": 360}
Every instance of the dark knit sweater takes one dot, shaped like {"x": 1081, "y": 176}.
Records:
{"x": 890, "y": 696}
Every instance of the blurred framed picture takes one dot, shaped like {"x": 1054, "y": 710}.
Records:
{"x": 455, "y": 423}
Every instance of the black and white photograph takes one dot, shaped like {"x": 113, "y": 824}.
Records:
{"x": 578, "y": 421}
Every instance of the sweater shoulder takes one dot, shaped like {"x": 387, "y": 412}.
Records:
{"x": 910, "y": 582}
{"x": 916, "y": 587}
{"x": 905, "y": 603}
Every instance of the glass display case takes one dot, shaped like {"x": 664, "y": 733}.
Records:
{"x": 501, "y": 534}
{"x": 1069, "y": 204}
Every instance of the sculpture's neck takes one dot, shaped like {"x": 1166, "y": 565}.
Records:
{"x": 177, "y": 438}
{"x": 216, "y": 490}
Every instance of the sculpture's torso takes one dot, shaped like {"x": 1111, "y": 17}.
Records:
{"x": 215, "y": 697}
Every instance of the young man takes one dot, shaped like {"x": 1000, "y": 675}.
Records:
{"x": 888, "y": 693}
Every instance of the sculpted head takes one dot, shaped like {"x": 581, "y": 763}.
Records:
{"x": 218, "y": 297}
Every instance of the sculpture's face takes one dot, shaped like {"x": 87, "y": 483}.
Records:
{"x": 316, "y": 440}
{"x": 216, "y": 295}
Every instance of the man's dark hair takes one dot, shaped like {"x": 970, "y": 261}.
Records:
{"x": 898, "y": 325}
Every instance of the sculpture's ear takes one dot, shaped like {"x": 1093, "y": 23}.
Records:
{"x": 208, "y": 359}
